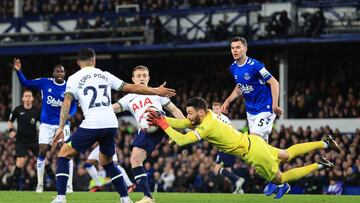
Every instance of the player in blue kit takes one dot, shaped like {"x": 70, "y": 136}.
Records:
{"x": 92, "y": 88}
{"x": 259, "y": 88}
{"x": 52, "y": 92}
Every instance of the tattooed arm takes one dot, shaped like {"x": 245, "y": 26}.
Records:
{"x": 64, "y": 114}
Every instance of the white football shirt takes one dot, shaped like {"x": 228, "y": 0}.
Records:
{"x": 92, "y": 88}
{"x": 137, "y": 104}
{"x": 224, "y": 119}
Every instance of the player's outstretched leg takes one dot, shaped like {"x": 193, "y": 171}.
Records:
{"x": 282, "y": 179}
{"x": 118, "y": 181}
{"x": 300, "y": 149}
{"x": 297, "y": 173}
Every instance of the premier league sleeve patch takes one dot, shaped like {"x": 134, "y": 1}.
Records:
{"x": 265, "y": 74}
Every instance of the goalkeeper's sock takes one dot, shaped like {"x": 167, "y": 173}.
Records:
{"x": 297, "y": 173}
{"x": 141, "y": 180}
{"x": 300, "y": 149}
{"x": 232, "y": 177}
{"x": 116, "y": 179}
{"x": 62, "y": 175}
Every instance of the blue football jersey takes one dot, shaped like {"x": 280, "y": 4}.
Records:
{"x": 251, "y": 78}
{"x": 52, "y": 98}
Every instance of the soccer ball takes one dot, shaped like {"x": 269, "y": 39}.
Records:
{"x": 143, "y": 123}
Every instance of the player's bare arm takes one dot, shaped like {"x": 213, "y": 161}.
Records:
{"x": 234, "y": 94}
{"x": 274, "y": 86}
{"x": 141, "y": 89}
{"x": 175, "y": 111}
{"x": 64, "y": 113}
{"x": 17, "y": 64}
{"x": 117, "y": 108}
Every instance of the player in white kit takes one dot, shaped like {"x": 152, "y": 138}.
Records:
{"x": 89, "y": 166}
{"x": 225, "y": 162}
{"x": 144, "y": 143}
{"x": 91, "y": 87}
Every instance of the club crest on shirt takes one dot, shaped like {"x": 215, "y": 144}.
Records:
{"x": 246, "y": 76}
{"x": 62, "y": 94}
{"x": 32, "y": 121}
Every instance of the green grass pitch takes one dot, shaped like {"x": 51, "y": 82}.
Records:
{"x": 112, "y": 197}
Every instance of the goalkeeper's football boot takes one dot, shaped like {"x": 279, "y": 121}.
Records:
{"x": 331, "y": 143}
{"x": 325, "y": 162}
{"x": 282, "y": 190}
{"x": 270, "y": 189}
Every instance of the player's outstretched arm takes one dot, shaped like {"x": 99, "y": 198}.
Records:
{"x": 141, "y": 89}
{"x": 274, "y": 86}
{"x": 178, "y": 123}
{"x": 175, "y": 111}
{"x": 25, "y": 82}
{"x": 234, "y": 94}
{"x": 181, "y": 139}
{"x": 156, "y": 118}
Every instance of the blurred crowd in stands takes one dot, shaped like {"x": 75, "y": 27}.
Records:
{"x": 322, "y": 91}
{"x": 70, "y": 7}
{"x": 190, "y": 169}
{"x": 280, "y": 24}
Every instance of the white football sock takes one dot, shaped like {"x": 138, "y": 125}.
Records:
{"x": 40, "y": 166}
{"x": 125, "y": 176}
{"x": 71, "y": 173}
{"x": 94, "y": 174}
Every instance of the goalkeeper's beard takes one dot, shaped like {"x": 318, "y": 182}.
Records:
{"x": 196, "y": 121}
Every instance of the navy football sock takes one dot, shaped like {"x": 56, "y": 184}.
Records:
{"x": 116, "y": 178}
{"x": 62, "y": 175}
{"x": 141, "y": 180}
{"x": 232, "y": 177}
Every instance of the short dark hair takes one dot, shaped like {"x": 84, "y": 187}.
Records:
{"x": 216, "y": 103}
{"x": 86, "y": 54}
{"x": 197, "y": 103}
{"x": 27, "y": 90}
{"x": 239, "y": 39}
{"x": 139, "y": 67}
{"x": 58, "y": 66}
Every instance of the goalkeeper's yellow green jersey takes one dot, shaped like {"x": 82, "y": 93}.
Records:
{"x": 223, "y": 136}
